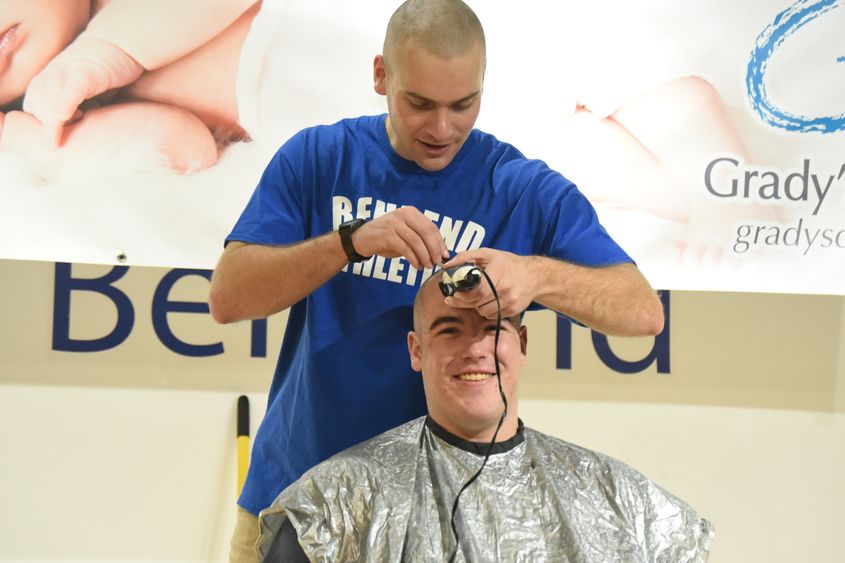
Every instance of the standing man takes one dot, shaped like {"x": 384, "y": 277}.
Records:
{"x": 349, "y": 219}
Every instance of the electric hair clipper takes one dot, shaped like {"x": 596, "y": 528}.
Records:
{"x": 459, "y": 278}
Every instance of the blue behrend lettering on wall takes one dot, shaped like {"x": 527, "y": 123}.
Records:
{"x": 162, "y": 307}
{"x": 785, "y": 24}
{"x": 65, "y": 283}
{"x": 658, "y": 355}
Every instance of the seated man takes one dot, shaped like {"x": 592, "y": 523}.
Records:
{"x": 537, "y": 499}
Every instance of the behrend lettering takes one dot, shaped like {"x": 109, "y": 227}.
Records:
{"x": 459, "y": 235}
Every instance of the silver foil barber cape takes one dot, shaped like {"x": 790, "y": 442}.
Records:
{"x": 538, "y": 499}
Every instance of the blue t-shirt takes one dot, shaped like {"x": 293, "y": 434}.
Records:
{"x": 343, "y": 373}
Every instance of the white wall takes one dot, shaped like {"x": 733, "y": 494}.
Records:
{"x": 117, "y": 474}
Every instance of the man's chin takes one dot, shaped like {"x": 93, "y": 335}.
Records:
{"x": 434, "y": 164}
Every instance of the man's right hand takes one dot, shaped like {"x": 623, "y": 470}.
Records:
{"x": 405, "y": 232}
{"x": 252, "y": 281}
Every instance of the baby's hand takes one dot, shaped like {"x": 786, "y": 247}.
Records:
{"x": 86, "y": 68}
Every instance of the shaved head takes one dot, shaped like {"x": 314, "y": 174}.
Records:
{"x": 431, "y": 290}
{"x": 425, "y": 293}
{"x": 445, "y": 28}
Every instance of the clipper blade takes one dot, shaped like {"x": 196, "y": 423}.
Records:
{"x": 459, "y": 278}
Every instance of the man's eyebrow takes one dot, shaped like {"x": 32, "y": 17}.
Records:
{"x": 420, "y": 98}
{"x": 454, "y": 319}
{"x": 443, "y": 320}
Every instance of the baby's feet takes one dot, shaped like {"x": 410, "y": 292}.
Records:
{"x": 86, "y": 68}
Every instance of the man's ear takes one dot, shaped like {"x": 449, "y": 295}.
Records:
{"x": 379, "y": 75}
{"x": 414, "y": 351}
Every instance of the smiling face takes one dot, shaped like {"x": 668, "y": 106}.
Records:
{"x": 32, "y": 32}
{"x": 453, "y": 348}
{"x": 433, "y": 101}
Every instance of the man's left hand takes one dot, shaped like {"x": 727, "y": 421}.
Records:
{"x": 509, "y": 274}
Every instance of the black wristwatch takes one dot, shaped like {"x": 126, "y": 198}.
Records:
{"x": 345, "y": 230}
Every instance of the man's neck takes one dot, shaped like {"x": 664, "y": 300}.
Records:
{"x": 509, "y": 436}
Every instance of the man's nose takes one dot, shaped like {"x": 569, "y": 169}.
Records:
{"x": 479, "y": 346}
{"x": 441, "y": 124}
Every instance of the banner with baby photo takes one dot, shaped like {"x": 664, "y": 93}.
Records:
{"x": 710, "y": 136}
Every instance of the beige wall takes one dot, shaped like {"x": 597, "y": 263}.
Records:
{"x": 130, "y": 453}
{"x": 840, "y": 372}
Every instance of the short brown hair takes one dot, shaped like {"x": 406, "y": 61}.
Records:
{"x": 445, "y": 28}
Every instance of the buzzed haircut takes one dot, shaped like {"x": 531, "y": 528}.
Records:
{"x": 445, "y": 28}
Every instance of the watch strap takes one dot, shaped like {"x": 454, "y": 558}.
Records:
{"x": 345, "y": 230}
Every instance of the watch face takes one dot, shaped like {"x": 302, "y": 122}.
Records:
{"x": 354, "y": 223}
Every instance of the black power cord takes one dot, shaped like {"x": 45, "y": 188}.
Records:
{"x": 501, "y": 419}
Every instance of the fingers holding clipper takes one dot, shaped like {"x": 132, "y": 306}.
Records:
{"x": 403, "y": 232}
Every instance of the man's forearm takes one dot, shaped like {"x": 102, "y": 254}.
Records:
{"x": 254, "y": 281}
{"x": 614, "y": 300}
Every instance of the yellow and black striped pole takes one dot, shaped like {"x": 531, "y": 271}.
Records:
{"x": 243, "y": 440}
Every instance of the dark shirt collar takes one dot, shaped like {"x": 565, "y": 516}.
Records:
{"x": 478, "y": 448}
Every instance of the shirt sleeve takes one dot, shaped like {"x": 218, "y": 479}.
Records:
{"x": 574, "y": 232}
{"x": 554, "y": 217}
{"x": 277, "y": 211}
